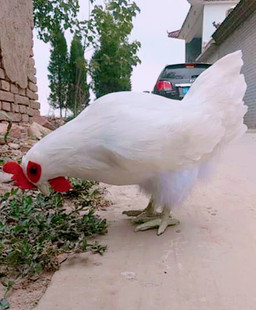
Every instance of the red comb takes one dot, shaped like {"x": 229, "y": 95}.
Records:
{"x": 18, "y": 175}
{"x": 60, "y": 184}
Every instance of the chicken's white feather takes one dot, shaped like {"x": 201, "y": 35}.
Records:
{"x": 145, "y": 139}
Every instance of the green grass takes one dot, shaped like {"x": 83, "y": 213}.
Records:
{"x": 35, "y": 230}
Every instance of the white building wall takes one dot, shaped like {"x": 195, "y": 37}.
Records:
{"x": 215, "y": 12}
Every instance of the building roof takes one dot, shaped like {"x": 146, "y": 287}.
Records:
{"x": 173, "y": 34}
{"x": 193, "y": 22}
{"x": 194, "y": 17}
{"x": 237, "y": 16}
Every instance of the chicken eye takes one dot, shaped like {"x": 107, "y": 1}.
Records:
{"x": 33, "y": 171}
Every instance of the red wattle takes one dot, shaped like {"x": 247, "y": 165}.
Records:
{"x": 60, "y": 184}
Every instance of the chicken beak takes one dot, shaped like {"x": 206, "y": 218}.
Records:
{"x": 44, "y": 189}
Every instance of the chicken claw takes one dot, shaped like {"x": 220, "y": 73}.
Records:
{"x": 133, "y": 212}
{"x": 149, "y": 211}
{"x": 162, "y": 224}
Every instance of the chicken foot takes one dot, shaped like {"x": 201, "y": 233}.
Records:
{"x": 147, "y": 213}
{"x": 150, "y": 219}
{"x": 159, "y": 223}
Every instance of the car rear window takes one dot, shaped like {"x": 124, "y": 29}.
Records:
{"x": 187, "y": 71}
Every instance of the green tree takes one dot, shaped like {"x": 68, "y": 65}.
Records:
{"x": 58, "y": 68}
{"x": 113, "y": 61}
{"x": 50, "y": 15}
{"x": 78, "y": 90}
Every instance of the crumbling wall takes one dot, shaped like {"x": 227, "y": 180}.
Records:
{"x": 18, "y": 89}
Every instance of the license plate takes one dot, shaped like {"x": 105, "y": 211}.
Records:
{"x": 185, "y": 90}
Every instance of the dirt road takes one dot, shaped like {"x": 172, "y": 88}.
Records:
{"x": 207, "y": 262}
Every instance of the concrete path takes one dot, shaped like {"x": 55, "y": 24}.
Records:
{"x": 208, "y": 262}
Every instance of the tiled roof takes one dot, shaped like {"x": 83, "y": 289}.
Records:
{"x": 173, "y": 34}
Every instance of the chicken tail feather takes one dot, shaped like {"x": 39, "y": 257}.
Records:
{"x": 222, "y": 88}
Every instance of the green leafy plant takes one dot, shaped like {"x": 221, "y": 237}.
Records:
{"x": 4, "y": 114}
{"x": 48, "y": 14}
{"x": 35, "y": 230}
{"x": 86, "y": 193}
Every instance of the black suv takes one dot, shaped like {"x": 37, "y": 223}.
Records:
{"x": 175, "y": 80}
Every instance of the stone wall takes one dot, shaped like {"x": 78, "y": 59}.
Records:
{"x": 18, "y": 89}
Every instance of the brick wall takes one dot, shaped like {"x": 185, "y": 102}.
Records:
{"x": 243, "y": 38}
{"x": 19, "y": 103}
{"x": 18, "y": 89}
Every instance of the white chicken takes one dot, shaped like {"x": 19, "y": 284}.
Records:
{"x": 160, "y": 144}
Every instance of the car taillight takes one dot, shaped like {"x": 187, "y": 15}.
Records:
{"x": 163, "y": 85}
{"x": 190, "y": 66}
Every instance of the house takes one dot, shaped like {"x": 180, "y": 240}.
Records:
{"x": 202, "y": 20}
{"x": 235, "y": 32}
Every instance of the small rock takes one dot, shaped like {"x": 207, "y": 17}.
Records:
{"x": 4, "y": 148}
{"x": 15, "y": 131}
{"x": 25, "y": 148}
{"x": 3, "y": 127}
{"x": 2, "y": 141}
{"x": 43, "y": 121}
{"x": 14, "y": 146}
{"x": 17, "y": 153}
{"x": 38, "y": 131}
{"x": 5, "y": 177}
{"x": 59, "y": 122}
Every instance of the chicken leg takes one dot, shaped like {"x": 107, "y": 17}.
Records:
{"x": 150, "y": 219}
{"x": 162, "y": 221}
{"x": 145, "y": 214}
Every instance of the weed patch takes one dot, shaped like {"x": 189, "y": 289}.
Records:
{"x": 35, "y": 230}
